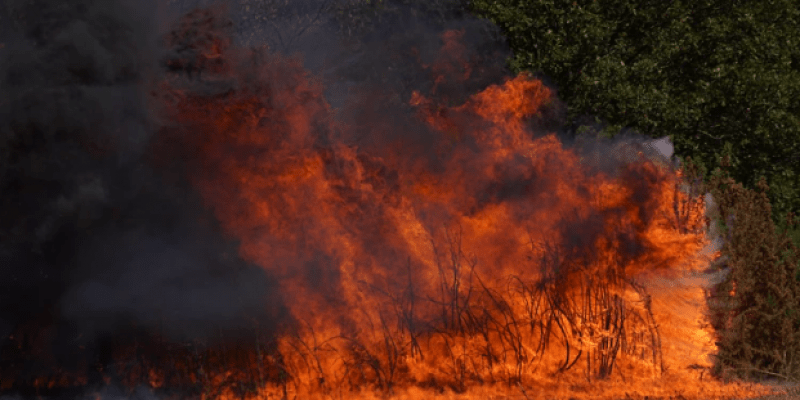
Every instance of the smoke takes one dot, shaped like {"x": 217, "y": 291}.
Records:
{"x": 370, "y": 59}
{"x": 92, "y": 238}
{"x": 109, "y": 392}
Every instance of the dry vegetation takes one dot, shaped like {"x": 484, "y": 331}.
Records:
{"x": 755, "y": 309}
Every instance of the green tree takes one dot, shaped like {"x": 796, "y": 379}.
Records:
{"x": 707, "y": 73}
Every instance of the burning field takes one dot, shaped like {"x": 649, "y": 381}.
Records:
{"x": 232, "y": 223}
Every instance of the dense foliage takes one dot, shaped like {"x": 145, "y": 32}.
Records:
{"x": 708, "y": 73}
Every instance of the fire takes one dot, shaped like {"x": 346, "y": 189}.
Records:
{"x": 495, "y": 259}
{"x": 492, "y": 261}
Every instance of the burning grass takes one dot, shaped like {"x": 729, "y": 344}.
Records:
{"x": 459, "y": 256}
{"x": 496, "y": 259}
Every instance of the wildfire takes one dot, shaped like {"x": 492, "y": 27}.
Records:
{"x": 495, "y": 258}
{"x": 494, "y": 262}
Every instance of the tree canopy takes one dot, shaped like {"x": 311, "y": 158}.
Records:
{"x": 709, "y": 74}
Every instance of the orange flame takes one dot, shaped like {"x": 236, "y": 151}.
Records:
{"x": 420, "y": 276}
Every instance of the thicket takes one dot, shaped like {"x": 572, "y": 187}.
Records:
{"x": 755, "y": 309}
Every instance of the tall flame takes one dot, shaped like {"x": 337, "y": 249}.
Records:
{"x": 495, "y": 256}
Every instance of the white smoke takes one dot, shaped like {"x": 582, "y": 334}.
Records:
{"x": 663, "y": 154}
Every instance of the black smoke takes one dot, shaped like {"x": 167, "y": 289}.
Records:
{"x": 93, "y": 239}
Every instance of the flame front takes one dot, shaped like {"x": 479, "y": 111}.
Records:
{"x": 494, "y": 256}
